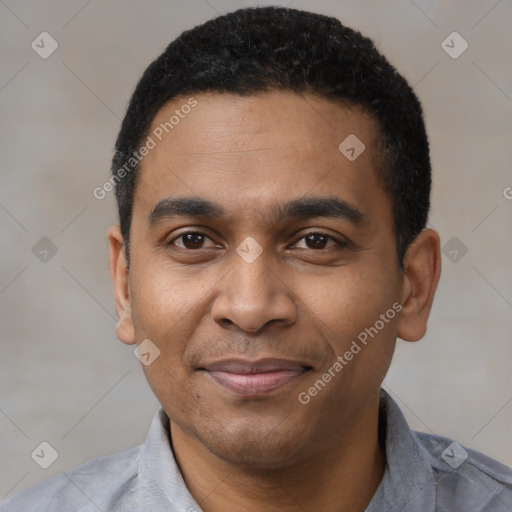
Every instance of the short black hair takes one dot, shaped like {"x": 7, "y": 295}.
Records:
{"x": 260, "y": 49}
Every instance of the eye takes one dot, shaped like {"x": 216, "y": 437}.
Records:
{"x": 190, "y": 240}
{"x": 318, "y": 241}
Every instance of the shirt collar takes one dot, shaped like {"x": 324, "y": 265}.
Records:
{"x": 408, "y": 481}
{"x": 162, "y": 482}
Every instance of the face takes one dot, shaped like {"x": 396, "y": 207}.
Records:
{"x": 252, "y": 290}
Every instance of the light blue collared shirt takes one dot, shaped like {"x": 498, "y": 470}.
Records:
{"x": 424, "y": 473}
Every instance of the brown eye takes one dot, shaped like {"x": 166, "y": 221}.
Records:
{"x": 319, "y": 241}
{"x": 190, "y": 240}
{"x": 316, "y": 241}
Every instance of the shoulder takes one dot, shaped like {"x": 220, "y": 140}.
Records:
{"x": 466, "y": 477}
{"x": 80, "y": 488}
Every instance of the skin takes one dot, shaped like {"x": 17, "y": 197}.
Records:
{"x": 301, "y": 299}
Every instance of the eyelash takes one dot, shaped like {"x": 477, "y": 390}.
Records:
{"x": 341, "y": 244}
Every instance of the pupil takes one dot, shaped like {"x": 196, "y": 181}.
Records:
{"x": 315, "y": 243}
{"x": 193, "y": 238}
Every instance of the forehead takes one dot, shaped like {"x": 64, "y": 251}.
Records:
{"x": 259, "y": 150}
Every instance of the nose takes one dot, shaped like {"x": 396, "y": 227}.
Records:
{"x": 253, "y": 295}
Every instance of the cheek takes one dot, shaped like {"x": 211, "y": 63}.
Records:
{"x": 164, "y": 309}
{"x": 353, "y": 311}
{"x": 165, "y": 298}
{"x": 349, "y": 300}
{"x": 355, "y": 316}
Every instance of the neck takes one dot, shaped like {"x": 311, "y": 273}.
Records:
{"x": 342, "y": 477}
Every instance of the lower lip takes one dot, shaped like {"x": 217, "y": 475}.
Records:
{"x": 254, "y": 384}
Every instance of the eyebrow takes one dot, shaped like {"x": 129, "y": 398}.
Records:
{"x": 302, "y": 208}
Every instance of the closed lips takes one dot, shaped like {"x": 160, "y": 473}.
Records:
{"x": 261, "y": 366}
{"x": 256, "y": 378}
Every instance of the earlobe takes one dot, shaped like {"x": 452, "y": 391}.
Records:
{"x": 422, "y": 269}
{"x": 119, "y": 273}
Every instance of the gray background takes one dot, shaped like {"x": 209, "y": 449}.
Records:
{"x": 65, "y": 378}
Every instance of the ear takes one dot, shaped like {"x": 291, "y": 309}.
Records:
{"x": 119, "y": 273}
{"x": 422, "y": 269}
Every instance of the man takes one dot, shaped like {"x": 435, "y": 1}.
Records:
{"x": 273, "y": 178}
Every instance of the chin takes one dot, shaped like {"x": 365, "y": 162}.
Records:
{"x": 256, "y": 448}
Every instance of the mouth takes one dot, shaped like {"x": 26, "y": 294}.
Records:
{"x": 254, "y": 378}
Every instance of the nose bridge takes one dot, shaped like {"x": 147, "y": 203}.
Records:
{"x": 252, "y": 294}
{"x": 251, "y": 273}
